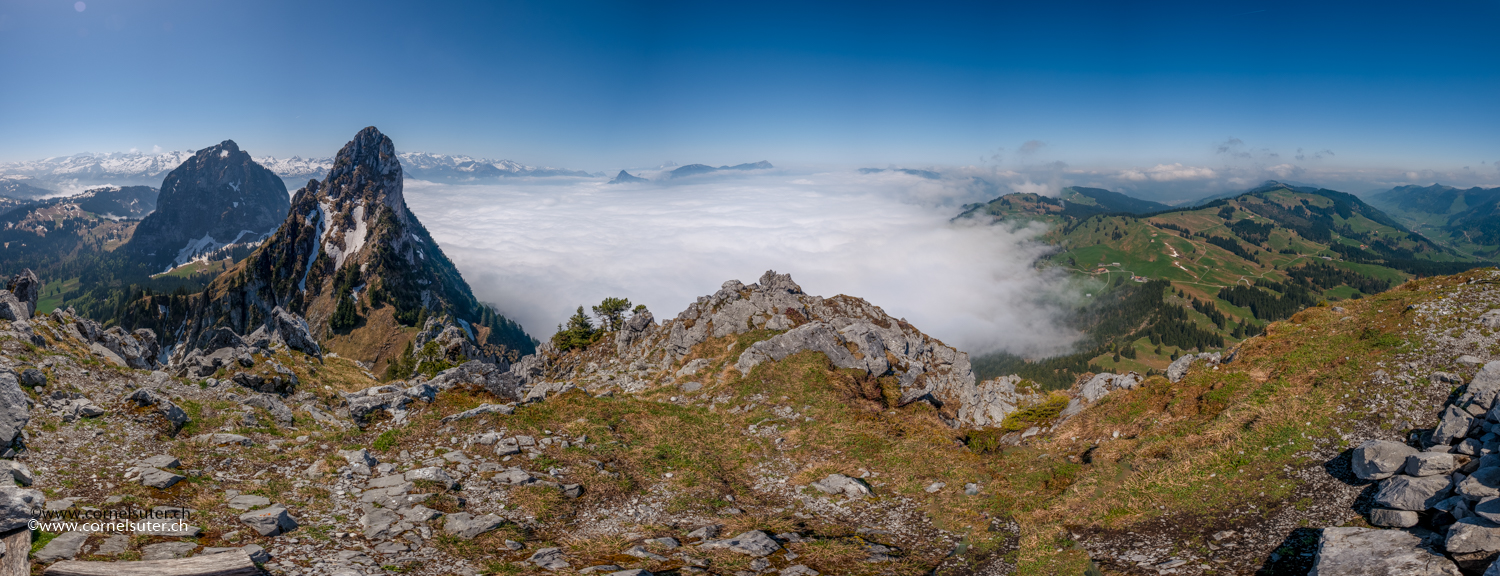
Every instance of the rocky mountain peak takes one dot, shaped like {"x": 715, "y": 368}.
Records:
{"x": 216, "y": 198}
{"x": 350, "y": 257}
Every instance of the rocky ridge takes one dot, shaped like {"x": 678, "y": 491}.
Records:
{"x": 348, "y": 257}
{"x": 853, "y": 333}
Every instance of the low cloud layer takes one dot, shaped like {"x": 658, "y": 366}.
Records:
{"x": 539, "y": 249}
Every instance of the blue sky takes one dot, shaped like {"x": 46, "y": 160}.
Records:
{"x": 598, "y": 86}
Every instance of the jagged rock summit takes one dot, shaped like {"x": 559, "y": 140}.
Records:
{"x": 853, "y": 333}
{"x": 350, "y": 257}
{"x": 625, "y": 177}
{"x": 216, "y": 198}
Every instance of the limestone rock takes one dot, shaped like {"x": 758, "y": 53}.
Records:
{"x": 248, "y": 501}
{"x": 64, "y": 546}
{"x": 19, "y": 506}
{"x": 755, "y": 543}
{"x": 1430, "y": 464}
{"x": 270, "y": 403}
{"x": 1102, "y": 384}
{"x": 841, "y": 484}
{"x": 1411, "y": 493}
{"x": 17, "y": 471}
{"x": 1454, "y": 425}
{"x": 12, "y": 308}
{"x": 1483, "y": 483}
{"x": 269, "y": 521}
{"x": 1393, "y": 518}
{"x": 432, "y": 474}
{"x": 167, "y": 550}
{"x": 1473, "y": 534}
{"x": 1178, "y": 369}
{"x": 1369, "y": 552}
{"x": 174, "y": 415}
{"x": 1380, "y": 459}
{"x": 15, "y": 408}
{"x": 467, "y": 526}
{"x": 160, "y": 479}
{"x": 27, "y": 288}
{"x": 549, "y": 559}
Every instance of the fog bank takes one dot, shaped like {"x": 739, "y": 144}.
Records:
{"x": 540, "y": 248}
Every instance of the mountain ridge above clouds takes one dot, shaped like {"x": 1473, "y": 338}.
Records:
{"x": 39, "y": 178}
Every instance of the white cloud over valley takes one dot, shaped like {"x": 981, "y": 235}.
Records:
{"x": 539, "y": 249}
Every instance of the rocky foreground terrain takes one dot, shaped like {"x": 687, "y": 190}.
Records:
{"x": 767, "y": 431}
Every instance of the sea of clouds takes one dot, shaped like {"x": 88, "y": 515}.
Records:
{"x": 540, "y": 248}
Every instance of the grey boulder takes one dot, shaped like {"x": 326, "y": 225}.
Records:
{"x": 1473, "y": 534}
{"x": 1430, "y": 464}
{"x": 1393, "y": 518}
{"x": 549, "y": 559}
{"x": 1454, "y": 425}
{"x": 467, "y": 526}
{"x": 160, "y": 479}
{"x": 15, "y": 408}
{"x": 18, "y": 506}
{"x": 269, "y": 521}
{"x": 292, "y": 330}
{"x": 1483, "y": 483}
{"x": 1380, "y": 459}
{"x": 1411, "y": 493}
{"x": 1370, "y": 552}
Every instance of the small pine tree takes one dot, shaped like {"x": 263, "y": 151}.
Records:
{"x": 611, "y": 313}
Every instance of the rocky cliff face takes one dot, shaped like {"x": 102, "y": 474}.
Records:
{"x": 350, "y": 256}
{"x": 217, "y": 197}
{"x": 853, "y": 333}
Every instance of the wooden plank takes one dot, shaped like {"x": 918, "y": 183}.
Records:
{"x": 17, "y": 559}
{"x": 223, "y": 564}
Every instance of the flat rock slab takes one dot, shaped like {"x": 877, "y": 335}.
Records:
{"x": 65, "y": 545}
{"x": 221, "y": 439}
{"x": 204, "y": 565}
{"x": 1371, "y": 552}
{"x": 754, "y": 543}
{"x": 160, "y": 479}
{"x": 1473, "y": 534}
{"x": 248, "y": 501}
{"x": 167, "y": 550}
{"x": 549, "y": 559}
{"x": 163, "y": 461}
{"x": 257, "y": 554}
{"x": 113, "y": 546}
{"x": 467, "y": 526}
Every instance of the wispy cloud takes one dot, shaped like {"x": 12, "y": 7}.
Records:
{"x": 1032, "y": 147}
{"x": 1168, "y": 173}
{"x": 539, "y": 249}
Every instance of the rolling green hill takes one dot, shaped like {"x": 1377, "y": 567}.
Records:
{"x": 1209, "y": 276}
{"x": 1467, "y": 221}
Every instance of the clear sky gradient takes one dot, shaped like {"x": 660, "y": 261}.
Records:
{"x": 601, "y": 86}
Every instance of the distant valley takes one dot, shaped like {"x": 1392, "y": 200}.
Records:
{"x": 1168, "y": 281}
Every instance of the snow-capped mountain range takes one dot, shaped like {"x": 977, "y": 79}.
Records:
{"x": 123, "y": 168}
